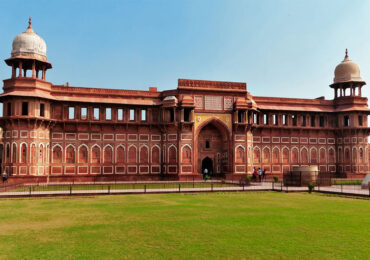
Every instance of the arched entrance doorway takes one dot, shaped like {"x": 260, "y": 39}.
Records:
{"x": 213, "y": 147}
{"x": 207, "y": 163}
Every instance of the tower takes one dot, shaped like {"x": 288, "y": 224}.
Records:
{"x": 26, "y": 107}
{"x": 350, "y": 117}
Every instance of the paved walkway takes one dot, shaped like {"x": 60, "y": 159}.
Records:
{"x": 265, "y": 186}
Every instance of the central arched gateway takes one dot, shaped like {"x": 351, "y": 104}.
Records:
{"x": 213, "y": 147}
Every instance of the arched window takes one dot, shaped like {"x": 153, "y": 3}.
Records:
{"x": 132, "y": 154}
{"x": 239, "y": 154}
{"x": 24, "y": 153}
{"x": 354, "y": 155}
{"x": 304, "y": 156}
{"x": 256, "y": 155}
{"x": 313, "y": 156}
{"x": 7, "y": 152}
{"x": 172, "y": 158}
{"x": 340, "y": 155}
{"x": 70, "y": 154}
{"x": 331, "y": 155}
{"x": 347, "y": 156}
{"x": 41, "y": 153}
{"x": 266, "y": 155}
{"x": 83, "y": 154}
{"x": 155, "y": 154}
{"x": 285, "y": 155}
{"x": 322, "y": 156}
{"x": 108, "y": 154}
{"x": 47, "y": 153}
{"x": 57, "y": 154}
{"x": 120, "y": 154}
{"x": 33, "y": 153}
{"x": 144, "y": 154}
{"x": 295, "y": 155}
{"x": 275, "y": 155}
{"x": 14, "y": 153}
{"x": 95, "y": 154}
{"x": 361, "y": 155}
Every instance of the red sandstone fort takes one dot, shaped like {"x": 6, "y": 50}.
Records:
{"x": 59, "y": 131}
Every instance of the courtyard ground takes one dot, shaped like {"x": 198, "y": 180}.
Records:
{"x": 256, "y": 225}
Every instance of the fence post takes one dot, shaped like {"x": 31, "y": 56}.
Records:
{"x": 211, "y": 186}
{"x": 243, "y": 186}
{"x": 281, "y": 186}
{"x": 341, "y": 187}
{"x": 179, "y": 187}
{"x": 144, "y": 188}
{"x": 108, "y": 189}
{"x": 273, "y": 185}
{"x": 30, "y": 190}
{"x": 70, "y": 189}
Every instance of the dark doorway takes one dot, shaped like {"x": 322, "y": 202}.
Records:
{"x": 207, "y": 163}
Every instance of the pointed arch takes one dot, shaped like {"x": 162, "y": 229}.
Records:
{"x": 304, "y": 155}
{"x": 354, "y": 155}
{"x": 95, "y": 153}
{"x": 156, "y": 154}
{"x": 340, "y": 155}
{"x": 7, "y": 153}
{"x": 108, "y": 154}
{"x": 41, "y": 153}
{"x": 70, "y": 155}
{"x": 331, "y": 155}
{"x": 57, "y": 152}
{"x": 313, "y": 155}
{"x": 295, "y": 155}
{"x": 239, "y": 154}
{"x": 172, "y": 154}
{"x": 285, "y": 155}
{"x": 33, "y": 153}
{"x": 266, "y": 155}
{"x": 83, "y": 153}
{"x": 47, "y": 153}
{"x": 322, "y": 154}
{"x": 144, "y": 154}
{"x": 132, "y": 157}
{"x": 347, "y": 155}
{"x": 275, "y": 155}
{"x": 120, "y": 154}
{"x": 14, "y": 152}
{"x": 256, "y": 154}
{"x": 361, "y": 155}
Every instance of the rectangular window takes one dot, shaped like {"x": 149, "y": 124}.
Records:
{"x": 9, "y": 109}
{"x": 240, "y": 116}
{"x": 71, "y": 113}
{"x": 120, "y": 114}
{"x": 42, "y": 109}
{"x": 132, "y": 114}
{"x": 24, "y": 108}
{"x": 143, "y": 115}
{"x": 312, "y": 121}
{"x": 294, "y": 120}
{"x": 96, "y": 113}
{"x": 265, "y": 119}
{"x": 187, "y": 112}
{"x": 83, "y": 113}
{"x": 285, "y": 120}
{"x": 275, "y": 119}
{"x": 108, "y": 113}
{"x": 346, "y": 121}
{"x": 172, "y": 115}
{"x": 360, "y": 122}
{"x": 304, "y": 123}
{"x": 322, "y": 121}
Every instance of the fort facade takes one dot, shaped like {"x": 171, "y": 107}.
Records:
{"x": 59, "y": 132}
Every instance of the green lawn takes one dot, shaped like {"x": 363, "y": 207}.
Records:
{"x": 258, "y": 225}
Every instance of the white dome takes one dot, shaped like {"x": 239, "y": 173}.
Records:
{"x": 29, "y": 44}
{"x": 347, "y": 71}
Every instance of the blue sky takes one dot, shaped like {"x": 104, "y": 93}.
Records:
{"x": 280, "y": 48}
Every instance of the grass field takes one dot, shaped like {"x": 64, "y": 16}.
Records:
{"x": 258, "y": 225}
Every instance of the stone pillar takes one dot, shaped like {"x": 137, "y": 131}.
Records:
{"x": 20, "y": 70}
{"x": 335, "y": 93}
{"x": 33, "y": 69}
{"x": 359, "y": 91}
{"x": 192, "y": 115}
{"x": 13, "y": 71}
{"x": 43, "y": 73}
{"x": 182, "y": 115}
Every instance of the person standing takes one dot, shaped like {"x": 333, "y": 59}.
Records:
{"x": 264, "y": 174}
{"x": 253, "y": 172}
{"x": 5, "y": 176}
{"x": 205, "y": 173}
{"x": 260, "y": 174}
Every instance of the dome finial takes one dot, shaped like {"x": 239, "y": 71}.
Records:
{"x": 346, "y": 54}
{"x": 29, "y": 23}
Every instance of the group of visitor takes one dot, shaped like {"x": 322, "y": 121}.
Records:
{"x": 258, "y": 174}
{"x": 5, "y": 177}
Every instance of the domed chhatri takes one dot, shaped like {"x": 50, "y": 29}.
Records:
{"x": 347, "y": 71}
{"x": 29, "y": 44}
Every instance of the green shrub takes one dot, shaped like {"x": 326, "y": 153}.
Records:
{"x": 276, "y": 178}
{"x": 207, "y": 177}
{"x": 310, "y": 186}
